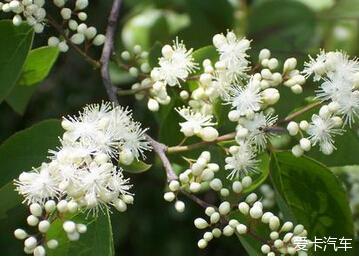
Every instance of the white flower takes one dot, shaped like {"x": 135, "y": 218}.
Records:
{"x": 321, "y": 131}
{"x": 315, "y": 66}
{"x": 37, "y": 186}
{"x": 105, "y": 128}
{"x": 242, "y": 161}
{"x": 257, "y": 128}
{"x": 246, "y": 98}
{"x": 175, "y": 64}
{"x": 232, "y": 51}
{"x": 194, "y": 121}
{"x": 340, "y": 90}
{"x": 222, "y": 83}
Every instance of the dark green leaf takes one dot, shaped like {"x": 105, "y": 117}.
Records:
{"x": 98, "y": 239}
{"x": 155, "y": 53}
{"x": 145, "y": 29}
{"x": 23, "y": 150}
{"x": 282, "y": 26}
{"x": 207, "y": 18}
{"x": 15, "y": 43}
{"x": 27, "y": 149}
{"x": 311, "y": 195}
{"x": 344, "y": 9}
{"x": 136, "y": 167}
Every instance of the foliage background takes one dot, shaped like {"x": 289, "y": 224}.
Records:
{"x": 287, "y": 27}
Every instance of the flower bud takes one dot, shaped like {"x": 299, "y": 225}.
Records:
{"x": 169, "y": 196}
{"x": 289, "y": 64}
{"x": 174, "y": 185}
{"x": 62, "y": 206}
{"x": 69, "y": 226}
{"x": 202, "y": 244}
{"x": 270, "y": 96}
{"x": 246, "y": 181}
{"x": 297, "y": 151}
{"x": 73, "y": 236}
{"x": 293, "y": 128}
{"x": 224, "y": 208}
{"x": 32, "y": 220}
{"x": 39, "y": 251}
{"x": 274, "y": 223}
{"x": 251, "y": 198}
{"x": 99, "y": 40}
{"x": 305, "y": 144}
{"x": 81, "y": 228}
{"x": 200, "y": 223}
{"x": 264, "y": 54}
{"x": 303, "y": 125}
{"x": 209, "y": 211}
{"x": 30, "y": 242}
{"x": 44, "y": 226}
{"x": 209, "y": 134}
{"x": 256, "y": 212}
{"x": 52, "y": 244}
{"x": 153, "y": 105}
{"x": 180, "y": 206}
{"x": 241, "y": 229}
{"x": 237, "y": 187}
{"x": 215, "y": 217}
{"x": 216, "y": 184}
{"x": 120, "y": 205}
{"x": 20, "y": 234}
{"x": 287, "y": 226}
{"x": 243, "y": 207}
{"x": 195, "y": 187}
{"x": 228, "y": 230}
{"x": 216, "y": 232}
{"x": 265, "y": 249}
{"x": 36, "y": 209}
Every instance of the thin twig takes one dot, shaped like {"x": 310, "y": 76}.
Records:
{"x": 96, "y": 64}
{"x": 178, "y": 148}
{"x": 300, "y": 112}
{"x": 133, "y": 91}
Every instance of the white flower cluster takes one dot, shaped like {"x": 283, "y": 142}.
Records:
{"x": 41, "y": 218}
{"x": 33, "y": 12}
{"x": 175, "y": 65}
{"x": 193, "y": 179}
{"x": 197, "y": 124}
{"x": 339, "y": 90}
{"x": 282, "y": 238}
{"x": 80, "y": 174}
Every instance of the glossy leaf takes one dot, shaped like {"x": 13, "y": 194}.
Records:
{"x": 36, "y": 68}
{"x": 136, "y": 167}
{"x": 310, "y": 194}
{"x": 15, "y": 43}
{"x": 27, "y": 149}
{"x": 98, "y": 239}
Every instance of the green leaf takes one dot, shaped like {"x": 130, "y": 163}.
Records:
{"x": 36, "y": 68}
{"x": 23, "y": 150}
{"x": 27, "y": 149}
{"x": 38, "y": 65}
{"x": 207, "y": 52}
{"x": 98, "y": 239}
{"x": 154, "y": 54}
{"x": 136, "y": 167}
{"x": 344, "y": 9}
{"x": 145, "y": 29}
{"x": 311, "y": 195}
{"x": 15, "y": 43}
{"x": 346, "y": 145}
{"x": 207, "y": 18}
{"x": 282, "y": 26}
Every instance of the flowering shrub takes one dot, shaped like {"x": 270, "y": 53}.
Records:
{"x": 221, "y": 134}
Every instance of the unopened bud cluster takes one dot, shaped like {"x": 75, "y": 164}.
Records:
{"x": 34, "y": 13}
{"x": 192, "y": 179}
{"x": 41, "y": 219}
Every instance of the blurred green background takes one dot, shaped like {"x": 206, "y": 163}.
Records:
{"x": 286, "y": 27}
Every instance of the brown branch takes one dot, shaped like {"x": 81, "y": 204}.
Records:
{"x": 107, "y": 50}
{"x": 133, "y": 91}
{"x": 160, "y": 150}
